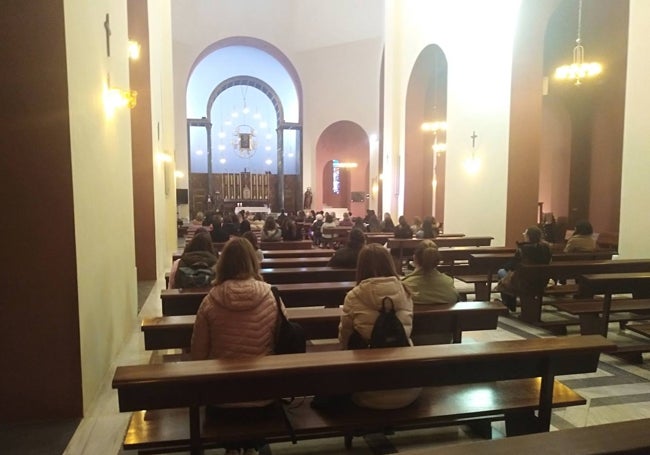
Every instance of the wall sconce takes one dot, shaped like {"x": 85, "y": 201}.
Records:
{"x": 115, "y": 98}
{"x": 179, "y": 174}
{"x": 164, "y": 157}
{"x": 133, "y": 50}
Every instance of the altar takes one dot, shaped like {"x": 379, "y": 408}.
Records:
{"x": 253, "y": 210}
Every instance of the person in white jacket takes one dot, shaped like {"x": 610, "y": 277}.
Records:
{"x": 376, "y": 279}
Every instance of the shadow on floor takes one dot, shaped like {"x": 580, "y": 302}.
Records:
{"x": 39, "y": 438}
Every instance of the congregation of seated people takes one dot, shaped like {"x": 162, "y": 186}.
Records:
{"x": 239, "y": 315}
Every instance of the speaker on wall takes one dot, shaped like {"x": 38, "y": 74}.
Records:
{"x": 182, "y": 196}
{"x": 358, "y": 196}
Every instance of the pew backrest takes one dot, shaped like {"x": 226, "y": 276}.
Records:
{"x": 185, "y": 384}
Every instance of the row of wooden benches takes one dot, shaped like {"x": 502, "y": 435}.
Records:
{"x": 161, "y": 428}
{"x": 399, "y": 244}
{"x": 175, "y": 332}
{"x": 464, "y": 383}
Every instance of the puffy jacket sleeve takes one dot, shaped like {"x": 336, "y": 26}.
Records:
{"x": 346, "y": 325}
{"x": 200, "y": 347}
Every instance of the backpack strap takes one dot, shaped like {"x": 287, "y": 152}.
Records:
{"x": 278, "y": 299}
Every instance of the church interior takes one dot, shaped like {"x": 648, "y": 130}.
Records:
{"x": 124, "y": 119}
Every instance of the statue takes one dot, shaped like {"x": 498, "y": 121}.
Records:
{"x": 308, "y": 199}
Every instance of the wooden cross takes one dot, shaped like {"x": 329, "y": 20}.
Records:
{"x": 107, "y": 28}
{"x": 474, "y": 136}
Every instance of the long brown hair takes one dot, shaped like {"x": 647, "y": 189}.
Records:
{"x": 374, "y": 261}
{"x": 200, "y": 242}
{"x": 237, "y": 262}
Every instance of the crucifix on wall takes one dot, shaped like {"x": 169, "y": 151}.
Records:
{"x": 107, "y": 29}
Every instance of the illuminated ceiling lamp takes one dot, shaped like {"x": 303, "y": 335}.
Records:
{"x": 579, "y": 69}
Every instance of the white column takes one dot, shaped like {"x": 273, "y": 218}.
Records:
{"x": 635, "y": 222}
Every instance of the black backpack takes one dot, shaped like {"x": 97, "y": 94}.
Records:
{"x": 289, "y": 336}
{"x": 199, "y": 275}
{"x": 388, "y": 331}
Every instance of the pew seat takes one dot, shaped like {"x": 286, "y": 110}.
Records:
{"x": 445, "y": 405}
{"x": 472, "y": 368}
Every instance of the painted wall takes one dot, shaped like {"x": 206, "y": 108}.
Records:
{"x": 554, "y": 158}
{"x": 635, "y": 224}
{"x": 480, "y": 104}
{"x": 339, "y": 83}
{"x": 103, "y": 193}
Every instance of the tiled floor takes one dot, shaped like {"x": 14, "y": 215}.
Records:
{"x": 618, "y": 391}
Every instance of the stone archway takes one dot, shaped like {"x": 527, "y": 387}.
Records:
{"x": 345, "y": 142}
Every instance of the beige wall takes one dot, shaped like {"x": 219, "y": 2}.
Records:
{"x": 162, "y": 118}
{"x": 635, "y": 222}
{"x": 102, "y": 186}
{"x": 339, "y": 83}
{"x": 480, "y": 104}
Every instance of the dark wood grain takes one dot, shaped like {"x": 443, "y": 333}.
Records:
{"x": 172, "y": 332}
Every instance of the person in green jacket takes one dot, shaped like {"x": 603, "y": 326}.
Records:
{"x": 426, "y": 283}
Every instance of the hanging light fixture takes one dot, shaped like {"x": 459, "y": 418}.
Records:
{"x": 579, "y": 69}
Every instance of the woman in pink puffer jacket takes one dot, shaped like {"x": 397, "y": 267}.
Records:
{"x": 238, "y": 316}
{"x": 236, "y": 319}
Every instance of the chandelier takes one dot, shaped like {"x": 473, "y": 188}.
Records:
{"x": 579, "y": 69}
{"x": 435, "y": 128}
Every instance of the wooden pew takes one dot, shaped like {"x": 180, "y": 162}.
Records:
{"x": 279, "y": 263}
{"x": 273, "y": 254}
{"x": 631, "y": 438}
{"x": 378, "y": 237}
{"x": 176, "y": 302}
{"x": 595, "y": 315}
{"x": 484, "y": 266}
{"x": 306, "y": 253}
{"x": 286, "y": 245}
{"x": 534, "y": 278}
{"x": 454, "y": 261}
{"x": 451, "y": 373}
{"x": 401, "y": 248}
{"x": 641, "y": 329}
{"x": 339, "y": 234}
{"x": 172, "y": 332}
{"x": 307, "y": 275}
